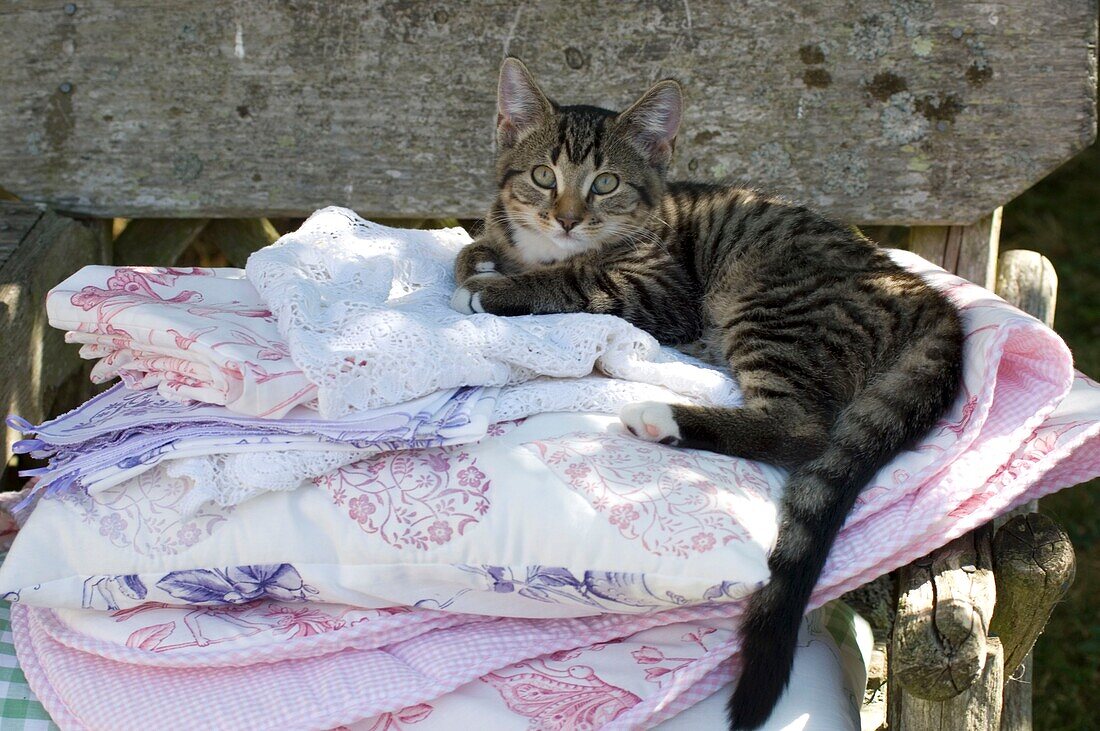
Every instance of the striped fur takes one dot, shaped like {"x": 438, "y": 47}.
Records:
{"x": 843, "y": 357}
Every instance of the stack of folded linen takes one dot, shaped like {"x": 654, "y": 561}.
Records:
{"x": 447, "y": 524}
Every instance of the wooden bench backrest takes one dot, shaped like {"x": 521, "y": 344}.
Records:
{"x": 909, "y": 111}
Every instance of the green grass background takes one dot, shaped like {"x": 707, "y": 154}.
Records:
{"x": 1060, "y": 218}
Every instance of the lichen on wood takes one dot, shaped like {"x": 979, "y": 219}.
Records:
{"x": 908, "y": 112}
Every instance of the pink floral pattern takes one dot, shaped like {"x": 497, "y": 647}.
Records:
{"x": 660, "y": 666}
{"x": 160, "y": 628}
{"x": 501, "y": 428}
{"x": 133, "y": 285}
{"x": 556, "y": 697}
{"x": 1031, "y": 453}
{"x": 399, "y": 719}
{"x": 192, "y": 334}
{"x": 413, "y": 498}
{"x": 675, "y": 502}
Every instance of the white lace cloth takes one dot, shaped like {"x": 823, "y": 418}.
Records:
{"x": 365, "y": 311}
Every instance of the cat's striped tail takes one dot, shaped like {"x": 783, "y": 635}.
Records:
{"x": 899, "y": 406}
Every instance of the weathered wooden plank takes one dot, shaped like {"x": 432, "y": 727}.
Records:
{"x": 941, "y": 631}
{"x": 907, "y": 112}
{"x": 37, "y": 362}
{"x": 1016, "y": 705}
{"x": 156, "y": 241}
{"x": 969, "y": 251}
{"x": 976, "y": 709}
{"x": 873, "y": 712}
{"x": 237, "y": 238}
{"x": 16, "y": 221}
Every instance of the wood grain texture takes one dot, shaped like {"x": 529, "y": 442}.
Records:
{"x": 1035, "y": 566}
{"x": 156, "y": 242}
{"x": 941, "y": 632}
{"x": 969, "y": 251}
{"x": 37, "y": 364}
{"x": 1027, "y": 279}
{"x": 1016, "y": 712}
{"x": 16, "y": 221}
{"x": 976, "y": 709}
{"x": 237, "y": 238}
{"x": 910, "y": 111}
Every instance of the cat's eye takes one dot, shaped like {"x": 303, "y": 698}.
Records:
{"x": 544, "y": 176}
{"x": 605, "y": 183}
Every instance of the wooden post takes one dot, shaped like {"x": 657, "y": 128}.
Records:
{"x": 941, "y": 646}
{"x": 969, "y": 251}
{"x": 942, "y": 626}
{"x": 38, "y": 249}
{"x": 1027, "y": 280}
{"x": 978, "y": 708}
{"x": 1035, "y": 565}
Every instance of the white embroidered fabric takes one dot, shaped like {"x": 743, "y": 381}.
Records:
{"x": 365, "y": 311}
{"x": 230, "y": 479}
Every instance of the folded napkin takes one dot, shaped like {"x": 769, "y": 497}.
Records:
{"x": 121, "y": 434}
{"x": 193, "y": 334}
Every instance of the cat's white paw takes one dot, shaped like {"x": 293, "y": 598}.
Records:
{"x": 467, "y": 300}
{"x": 484, "y": 267}
{"x": 651, "y": 421}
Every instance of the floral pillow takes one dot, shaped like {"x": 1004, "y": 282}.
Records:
{"x": 558, "y": 515}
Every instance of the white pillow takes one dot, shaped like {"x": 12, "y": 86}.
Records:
{"x": 559, "y": 515}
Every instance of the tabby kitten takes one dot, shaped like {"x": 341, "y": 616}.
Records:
{"x": 843, "y": 357}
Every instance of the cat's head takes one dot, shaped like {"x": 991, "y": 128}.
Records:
{"x": 573, "y": 178}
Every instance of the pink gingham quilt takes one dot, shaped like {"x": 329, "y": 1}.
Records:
{"x": 90, "y": 683}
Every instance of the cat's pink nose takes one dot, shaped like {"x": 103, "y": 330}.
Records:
{"x": 567, "y": 222}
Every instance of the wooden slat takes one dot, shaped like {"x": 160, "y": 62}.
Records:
{"x": 1026, "y": 279}
{"x": 16, "y": 221}
{"x": 156, "y": 242}
{"x": 969, "y": 251}
{"x": 941, "y": 637}
{"x": 907, "y": 112}
{"x": 37, "y": 363}
{"x": 237, "y": 238}
{"x": 1016, "y": 709}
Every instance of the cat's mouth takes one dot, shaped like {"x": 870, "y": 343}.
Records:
{"x": 569, "y": 241}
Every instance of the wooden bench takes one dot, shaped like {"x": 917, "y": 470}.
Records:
{"x": 201, "y": 121}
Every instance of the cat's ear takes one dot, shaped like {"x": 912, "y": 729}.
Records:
{"x": 521, "y": 105}
{"x": 653, "y": 120}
